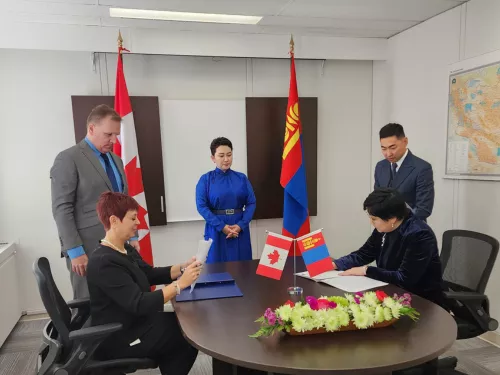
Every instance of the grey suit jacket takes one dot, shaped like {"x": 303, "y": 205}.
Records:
{"x": 414, "y": 180}
{"x": 77, "y": 180}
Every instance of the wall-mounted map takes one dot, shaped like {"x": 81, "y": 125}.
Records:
{"x": 474, "y": 118}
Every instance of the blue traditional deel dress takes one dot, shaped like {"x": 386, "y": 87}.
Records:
{"x": 218, "y": 190}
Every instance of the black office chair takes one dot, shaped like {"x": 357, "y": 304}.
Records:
{"x": 467, "y": 259}
{"x": 70, "y": 342}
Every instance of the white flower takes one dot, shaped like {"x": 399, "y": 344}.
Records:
{"x": 387, "y": 313}
{"x": 395, "y": 310}
{"x": 371, "y": 299}
{"x": 367, "y": 308}
{"x": 343, "y": 317}
{"x": 379, "y": 314}
{"x": 363, "y": 320}
{"x": 332, "y": 323}
{"x": 389, "y": 302}
{"x": 284, "y": 312}
{"x": 299, "y": 324}
{"x": 350, "y": 298}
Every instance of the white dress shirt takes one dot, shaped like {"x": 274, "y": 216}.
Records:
{"x": 400, "y": 161}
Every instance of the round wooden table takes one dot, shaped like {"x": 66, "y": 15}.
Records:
{"x": 220, "y": 328}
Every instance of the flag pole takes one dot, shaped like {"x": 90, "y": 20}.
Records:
{"x": 294, "y": 291}
{"x": 294, "y": 264}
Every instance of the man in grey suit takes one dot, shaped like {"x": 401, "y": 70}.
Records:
{"x": 79, "y": 175}
{"x": 403, "y": 171}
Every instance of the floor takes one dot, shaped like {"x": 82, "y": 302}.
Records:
{"x": 18, "y": 355}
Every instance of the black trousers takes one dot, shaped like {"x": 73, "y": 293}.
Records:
{"x": 163, "y": 342}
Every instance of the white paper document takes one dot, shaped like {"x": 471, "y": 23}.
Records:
{"x": 202, "y": 254}
{"x": 321, "y": 276}
{"x": 353, "y": 284}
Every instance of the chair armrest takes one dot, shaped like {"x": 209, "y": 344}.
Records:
{"x": 465, "y": 296}
{"x": 77, "y": 303}
{"x": 95, "y": 333}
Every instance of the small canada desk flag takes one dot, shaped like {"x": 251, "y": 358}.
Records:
{"x": 274, "y": 256}
{"x": 315, "y": 253}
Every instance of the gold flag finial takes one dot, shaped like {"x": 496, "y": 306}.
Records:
{"x": 120, "y": 40}
{"x": 292, "y": 44}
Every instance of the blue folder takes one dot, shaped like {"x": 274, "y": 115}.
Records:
{"x": 211, "y": 286}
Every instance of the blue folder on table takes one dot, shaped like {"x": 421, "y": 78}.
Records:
{"x": 211, "y": 286}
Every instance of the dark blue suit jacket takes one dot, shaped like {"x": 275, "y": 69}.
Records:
{"x": 413, "y": 180}
{"x": 409, "y": 259}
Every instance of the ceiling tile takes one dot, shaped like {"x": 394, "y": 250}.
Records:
{"x": 407, "y": 10}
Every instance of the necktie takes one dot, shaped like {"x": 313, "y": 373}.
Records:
{"x": 393, "y": 173}
{"x": 110, "y": 173}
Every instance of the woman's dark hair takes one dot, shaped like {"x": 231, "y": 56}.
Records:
{"x": 220, "y": 141}
{"x": 114, "y": 204}
{"x": 386, "y": 204}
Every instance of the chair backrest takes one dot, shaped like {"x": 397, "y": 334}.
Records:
{"x": 58, "y": 310}
{"x": 467, "y": 259}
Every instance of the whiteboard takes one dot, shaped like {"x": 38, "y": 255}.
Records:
{"x": 188, "y": 127}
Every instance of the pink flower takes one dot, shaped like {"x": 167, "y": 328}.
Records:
{"x": 356, "y": 299}
{"x": 359, "y": 294}
{"x": 332, "y": 305}
{"x": 270, "y": 316}
{"x": 323, "y": 304}
{"x": 312, "y": 302}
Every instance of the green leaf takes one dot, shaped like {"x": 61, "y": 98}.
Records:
{"x": 260, "y": 320}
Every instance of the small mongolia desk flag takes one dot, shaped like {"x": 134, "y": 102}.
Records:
{"x": 315, "y": 253}
{"x": 274, "y": 256}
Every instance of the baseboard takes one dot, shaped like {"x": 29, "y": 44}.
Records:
{"x": 493, "y": 337}
{"x": 34, "y": 312}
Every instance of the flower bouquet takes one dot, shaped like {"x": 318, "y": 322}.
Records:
{"x": 330, "y": 314}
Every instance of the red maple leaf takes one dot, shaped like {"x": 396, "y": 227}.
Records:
{"x": 274, "y": 257}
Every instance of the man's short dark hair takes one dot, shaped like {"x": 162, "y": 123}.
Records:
{"x": 101, "y": 112}
{"x": 392, "y": 130}
{"x": 386, "y": 203}
{"x": 220, "y": 141}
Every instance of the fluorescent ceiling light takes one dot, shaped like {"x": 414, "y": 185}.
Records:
{"x": 182, "y": 16}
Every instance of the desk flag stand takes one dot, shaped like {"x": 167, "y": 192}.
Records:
{"x": 295, "y": 291}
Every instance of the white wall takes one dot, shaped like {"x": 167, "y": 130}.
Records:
{"x": 415, "y": 80}
{"x": 171, "y": 41}
{"x": 37, "y": 124}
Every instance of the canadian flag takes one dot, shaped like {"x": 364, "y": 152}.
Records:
{"x": 126, "y": 149}
{"x": 274, "y": 256}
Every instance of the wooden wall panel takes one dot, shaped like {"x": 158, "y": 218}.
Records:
{"x": 147, "y": 127}
{"x": 265, "y": 122}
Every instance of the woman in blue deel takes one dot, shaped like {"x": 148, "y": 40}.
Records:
{"x": 226, "y": 201}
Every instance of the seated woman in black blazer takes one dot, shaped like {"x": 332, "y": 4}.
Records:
{"x": 403, "y": 246}
{"x": 120, "y": 292}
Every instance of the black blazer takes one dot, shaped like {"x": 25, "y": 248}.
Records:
{"x": 414, "y": 180}
{"x": 409, "y": 258}
{"x": 120, "y": 291}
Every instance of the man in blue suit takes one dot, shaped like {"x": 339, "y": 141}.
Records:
{"x": 403, "y": 171}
